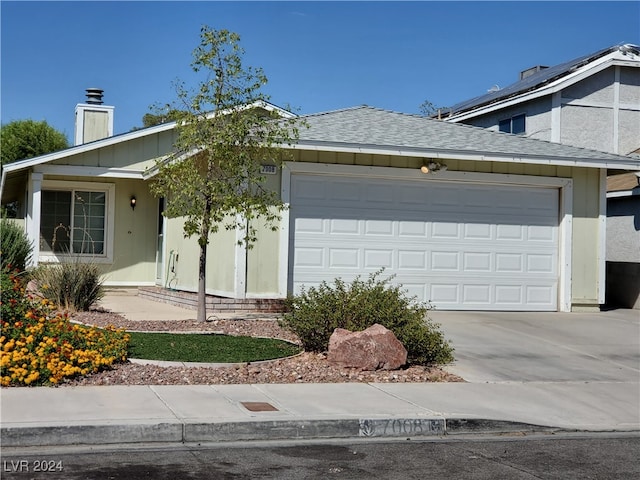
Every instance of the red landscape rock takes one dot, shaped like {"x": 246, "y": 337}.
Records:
{"x": 375, "y": 348}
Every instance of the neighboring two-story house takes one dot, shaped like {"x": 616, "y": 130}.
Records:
{"x": 591, "y": 102}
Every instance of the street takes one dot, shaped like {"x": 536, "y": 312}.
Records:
{"x": 560, "y": 456}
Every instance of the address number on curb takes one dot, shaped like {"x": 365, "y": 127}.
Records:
{"x": 398, "y": 427}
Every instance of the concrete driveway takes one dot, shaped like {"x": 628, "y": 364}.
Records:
{"x": 544, "y": 347}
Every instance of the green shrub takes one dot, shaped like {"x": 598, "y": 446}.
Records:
{"x": 72, "y": 285}
{"x": 15, "y": 247}
{"x": 315, "y": 313}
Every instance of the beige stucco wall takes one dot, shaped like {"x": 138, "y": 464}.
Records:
{"x": 587, "y": 237}
{"x": 263, "y": 262}
{"x": 183, "y": 254}
{"x": 135, "y": 236}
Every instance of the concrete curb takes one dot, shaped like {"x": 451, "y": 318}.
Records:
{"x": 198, "y": 432}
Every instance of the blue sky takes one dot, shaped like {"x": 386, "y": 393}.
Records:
{"x": 318, "y": 56}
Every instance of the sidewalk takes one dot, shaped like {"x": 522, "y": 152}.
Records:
{"x": 217, "y": 413}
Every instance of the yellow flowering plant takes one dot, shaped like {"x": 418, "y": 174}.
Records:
{"x": 41, "y": 346}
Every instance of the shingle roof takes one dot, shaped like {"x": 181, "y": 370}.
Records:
{"x": 535, "y": 80}
{"x": 368, "y": 127}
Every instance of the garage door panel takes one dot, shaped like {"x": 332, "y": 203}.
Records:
{"x": 409, "y": 260}
{"x": 504, "y": 257}
{"x": 445, "y": 230}
{"x": 344, "y": 258}
{"x": 379, "y": 227}
{"x": 376, "y": 259}
{"x": 412, "y": 228}
{"x": 445, "y": 294}
{"x": 344, "y": 226}
{"x": 542, "y": 233}
{"x": 445, "y": 261}
{"x": 477, "y": 231}
{"x": 476, "y": 294}
{"x": 540, "y": 294}
{"x": 510, "y": 233}
{"x": 509, "y": 295}
{"x": 312, "y": 257}
{"x": 477, "y": 262}
{"x": 416, "y": 290}
{"x": 309, "y": 225}
{"x": 541, "y": 263}
{"x": 509, "y": 263}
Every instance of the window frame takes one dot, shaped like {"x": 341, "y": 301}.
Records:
{"x": 510, "y": 120}
{"x": 109, "y": 220}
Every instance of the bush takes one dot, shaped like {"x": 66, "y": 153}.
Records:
{"x": 315, "y": 313}
{"x": 40, "y": 346}
{"x": 15, "y": 247}
{"x": 72, "y": 285}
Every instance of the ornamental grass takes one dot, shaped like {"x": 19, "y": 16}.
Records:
{"x": 41, "y": 346}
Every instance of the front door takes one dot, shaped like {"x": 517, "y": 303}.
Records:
{"x": 160, "y": 244}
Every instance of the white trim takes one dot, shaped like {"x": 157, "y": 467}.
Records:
{"x": 109, "y": 234}
{"x": 283, "y": 254}
{"x": 624, "y": 193}
{"x": 565, "y": 186}
{"x": 602, "y": 236}
{"x": 240, "y": 263}
{"x": 79, "y": 171}
{"x": 34, "y": 206}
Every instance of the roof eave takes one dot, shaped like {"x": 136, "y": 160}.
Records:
{"x": 444, "y": 154}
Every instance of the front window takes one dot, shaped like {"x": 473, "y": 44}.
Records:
{"x": 73, "y": 221}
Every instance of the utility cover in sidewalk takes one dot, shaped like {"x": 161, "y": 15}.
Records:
{"x": 259, "y": 407}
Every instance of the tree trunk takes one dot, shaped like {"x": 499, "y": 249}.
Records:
{"x": 203, "y": 241}
{"x": 202, "y": 284}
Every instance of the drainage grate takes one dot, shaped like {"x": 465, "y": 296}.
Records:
{"x": 259, "y": 407}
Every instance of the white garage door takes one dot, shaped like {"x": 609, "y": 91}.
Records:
{"x": 460, "y": 246}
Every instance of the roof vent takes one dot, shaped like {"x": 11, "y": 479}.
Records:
{"x": 94, "y": 96}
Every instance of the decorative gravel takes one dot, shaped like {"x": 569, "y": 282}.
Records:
{"x": 304, "y": 368}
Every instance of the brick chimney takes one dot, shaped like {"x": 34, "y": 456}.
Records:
{"x": 94, "y": 121}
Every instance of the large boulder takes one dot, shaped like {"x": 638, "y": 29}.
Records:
{"x": 375, "y": 348}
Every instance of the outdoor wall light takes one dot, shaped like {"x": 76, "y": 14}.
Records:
{"x": 433, "y": 167}
{"x": 133, "y": 202}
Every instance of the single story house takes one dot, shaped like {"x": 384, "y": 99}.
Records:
{"x": 464, "y": 217}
